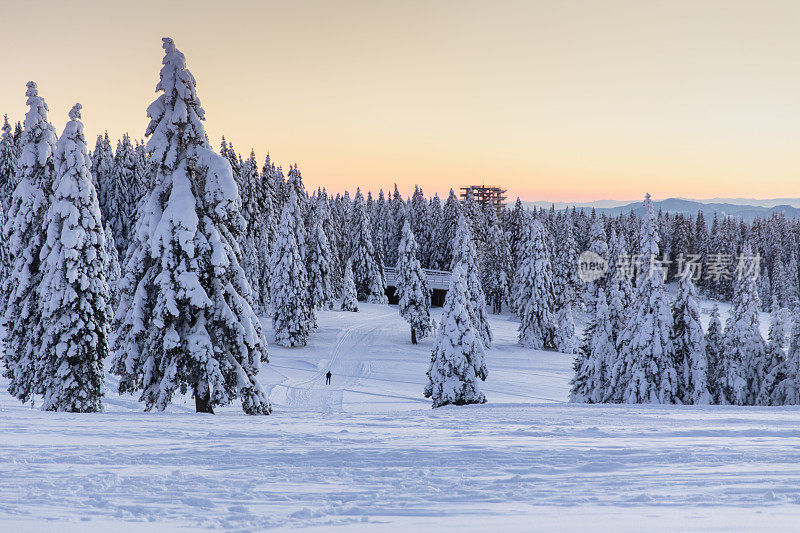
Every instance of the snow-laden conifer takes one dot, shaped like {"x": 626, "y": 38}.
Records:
{"x": 591, "y": 381}
{"x": 349, "y": 295}
{"x": 775, "y": 367}
{"x": 24, "y": 234}
{"x": 73, "y": 292}
{"x": 565, "y": 267}
{"x": 787, "y": 390}
{"x": 102, "y": 171}
{"x": 184, "y": 321}
{"x": 497, "y": 267}
{"x": 534, "y": 280}
{"x": 716, "y": 369}
{"x": 743, "y": 346}
{"x": 8, "y": 166}
{"x": 367, "y": 272}
{"x": 689, "y": 345}
{"x": 457, "y": 360}
{"x": 293, "y": 316}
{"x": 121, "y": 199}
{"x": 319, "y": 266}
{"x": 464, "y": 253}
{"x": 113, "y": 272}
{"x": 412, "y": 288}
{"x": 565, "y": 340}
{"x": 644, "y": 371}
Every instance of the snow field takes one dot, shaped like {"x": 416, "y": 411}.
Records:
{"x": 368, "y": 454}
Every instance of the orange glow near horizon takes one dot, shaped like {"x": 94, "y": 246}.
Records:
{"x": 555, "y": 100}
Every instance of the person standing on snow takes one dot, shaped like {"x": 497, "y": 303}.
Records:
{"x": 328, "y": 378}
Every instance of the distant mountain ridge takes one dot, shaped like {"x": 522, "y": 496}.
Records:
{"x": 733, "y": 207}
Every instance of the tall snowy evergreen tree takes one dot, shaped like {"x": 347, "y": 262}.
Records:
{"x": 442, "y": 258}
{"x": 293, "y": 316}
{"x": 367, "y": 273}
{"x": 102, "y": 170}
{"x": 8, "y": 181}
{"x": 73, "y": 292}
{"x": 113, "y": 273}
{"x": 185, "y": 322}
{"x": 592, "y": 367}
{"x": 787, "y": 390}
{"x": 255, "y": 242}
{"x": 565, "y": 340}
{"x": 645, "y": 371}
{"x": 464, "y": 253}
{"x": 774, "y": 371}
{"x": 534, "y": 280}
{"x": 319, "y": 267}
{"x": 8, "y": 166}
{"x": 497, "y": 267}
{"x": 412, "y": 288}
{"x": 421, "y": 225}
{"x": 716, "y": 369}
{"x": 120, "y": 195}
{"x": 457, "y": 360}
{"x": 689, "y": 344}
{"x": 565, "y": 267}
{"x": 24, "y": 234}
{"x": 743, "y": 346}
{"x": 598, "y": 244}
{"x": 349, "y": 295}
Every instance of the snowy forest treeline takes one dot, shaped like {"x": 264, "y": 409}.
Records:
{"x": 161, "y": 255}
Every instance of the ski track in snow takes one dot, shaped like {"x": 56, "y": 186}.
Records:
{"x": 367, "y": 452}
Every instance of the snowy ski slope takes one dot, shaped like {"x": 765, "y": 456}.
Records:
{"x": 368, "y": 454}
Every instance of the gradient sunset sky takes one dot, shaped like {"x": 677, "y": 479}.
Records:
{"x": 556, "y": 100}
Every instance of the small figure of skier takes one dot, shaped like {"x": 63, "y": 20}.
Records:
{"x": 328, "y": 378}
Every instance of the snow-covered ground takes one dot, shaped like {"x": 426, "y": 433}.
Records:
{"x": 368, "y": 454}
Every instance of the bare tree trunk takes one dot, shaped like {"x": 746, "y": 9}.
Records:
{"x": 413, "y": 336}
{"x": 202, "y": 400}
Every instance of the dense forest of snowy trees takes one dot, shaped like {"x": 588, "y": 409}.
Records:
{"x": 163, "y": 252}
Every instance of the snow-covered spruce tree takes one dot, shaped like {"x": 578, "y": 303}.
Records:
{"x": 184, "y": 319}
{"x": 465, "y": 254}
{"x": 370, "y": 284}
{"x": 743, "y": 346}
{"x": 645, "y": 372}
{"x": 113, "y": 272}
{"x": 394, "y": 227}
{"x": 565, "y": 267}
{"x": 774, "y": 370}
{"x": 457, "y": 360}
{"x": 689, "y": 345}
{"x": 102, "y": 171}
{"x": 24, "y": 234}
{"x": 787, "y": 391}
{"x": 599, "y": 245}
{"x": 497, "y": 267}
{"x": 141, "y": 177}
{"x": 121, "y": 197}
{"x": 565, "y": 340}
{"x": 349, "y": 295}
{"x": 445, "y": 233}
{"x": 8, "y": 181}
{"x": 534, "y": 280}
{"x": 73, "y": 293}
{"x": 319, "y": 267}
{"x": 293, "y": 316}
{"x": 419, "y": 213}
{"x": 713, "y": 338}
{"x": 412, "y": 288}
{"x": 256, "y": 241}
{"x": 591, "y": 381}
{"x": 8, "y": 166}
